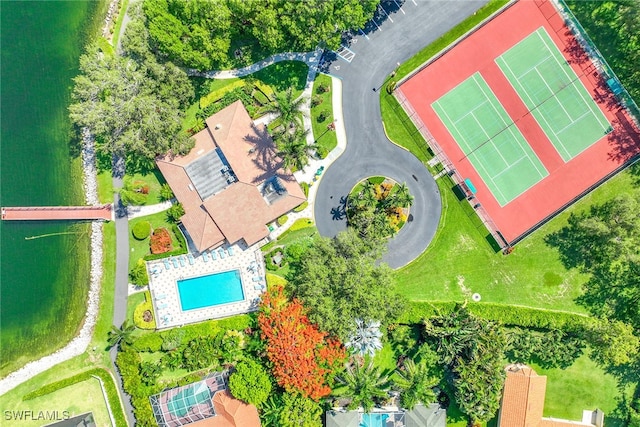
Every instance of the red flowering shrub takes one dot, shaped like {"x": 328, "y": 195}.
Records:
{"x": 302, "y": 356}
{"x": 160, "y": 241}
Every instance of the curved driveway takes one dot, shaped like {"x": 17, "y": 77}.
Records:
{"x": 368, "y": 151}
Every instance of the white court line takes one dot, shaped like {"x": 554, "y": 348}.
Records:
{"x": 533, "y": 114}
{"x": 511, "y": 131}
{"x": 589, "y": 102}
{"x": 472, "y": 154}
{"x": 586, "y": 113}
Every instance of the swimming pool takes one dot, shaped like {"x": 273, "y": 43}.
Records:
{"x": 212, "y": 289}
{"x": 373, "y": 420}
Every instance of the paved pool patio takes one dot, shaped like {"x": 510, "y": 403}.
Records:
{"x": 164, "y": 289}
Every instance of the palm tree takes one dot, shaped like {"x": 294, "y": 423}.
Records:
{"x": 402, "y": 197}
{"x": 364, "y": 385}
{"x": 293, "y": 148}
{"x": 416, "y": 384}
{"x": 366, "y": 338}
{"x": 121, "y": 335}
{"x": 286, "y": 108}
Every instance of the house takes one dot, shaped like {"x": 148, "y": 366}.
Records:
{"x": 420, "y": 416}
{"x": 231, "y": 184}
{"x": 523, "y": 402}
{"x": 205, "y": 403}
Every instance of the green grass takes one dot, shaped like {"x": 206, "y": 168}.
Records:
{"x": 132, "y": 302}
{"x": 584, "y": 385}
{"x": 116, "y": 28}
{"x": 325, "y": 138}
{"x": 77, "y": 399}
{"x": 105, "y": 187}
{"x": 155, "y": 180}
{"x": 139, "y": 248}
{"x": 277, "y": 77}
{"x": 284, "y": 75}
{"x": 460, "y": 261}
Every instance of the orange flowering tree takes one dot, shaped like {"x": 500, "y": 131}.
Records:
{"x": 302, "y": 357}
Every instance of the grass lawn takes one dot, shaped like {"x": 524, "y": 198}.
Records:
{"x": 460, "y": 262}
{"x": 154, "y": 180}
{"x": 116, "y": 29}
{"x": 325, "y": 138}
{"x": 140, "y": 248}
{"x": 77, "y": 399}
{"x": 290, "y": 236}
{"x": 105, "y": 187}
{"x": 584, "y": 385}
{"x": 132, "y": 302}
{"x": 278, "y": 77}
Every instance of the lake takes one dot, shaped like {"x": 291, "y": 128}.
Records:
{"x": 44, "y": 266}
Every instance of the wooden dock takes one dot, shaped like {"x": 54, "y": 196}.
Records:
{"x": 41, "y": 213}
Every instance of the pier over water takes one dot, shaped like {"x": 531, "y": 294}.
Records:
{"x": 40, "y": 213}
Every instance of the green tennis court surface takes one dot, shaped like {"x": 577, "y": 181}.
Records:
{"x": 489, "y": 139}
{"x": 553, "y": 93}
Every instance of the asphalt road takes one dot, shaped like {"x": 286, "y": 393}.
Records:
{"x": 391, "y": 39}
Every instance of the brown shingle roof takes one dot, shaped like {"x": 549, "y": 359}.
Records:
{"x": 239, "y": 211}
{"x": 522, "y": 397}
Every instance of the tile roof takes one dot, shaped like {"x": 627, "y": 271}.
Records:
{"x": 239, "y": 210}
{"x": 230, "y": 412}
{"x": 522, "y": 397}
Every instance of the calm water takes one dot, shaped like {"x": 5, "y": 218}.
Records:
{"x": 43, "y": 281}
{"x": 213, "y": 289}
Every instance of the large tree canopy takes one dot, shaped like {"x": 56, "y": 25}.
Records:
{"x": 604, "y": 243}
{"x": 199, "y": 34}
{"x": 132, "y": 104}
{"x": 339, "y": 281}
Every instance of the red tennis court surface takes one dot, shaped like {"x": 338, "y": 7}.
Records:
{"x": 566, "y": 181}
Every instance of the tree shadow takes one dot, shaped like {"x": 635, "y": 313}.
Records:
{"x": 265, "y": 158}
{"x": 624, "y": 140}
{"x": 339, "y": 212}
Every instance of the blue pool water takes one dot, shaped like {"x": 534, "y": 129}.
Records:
{"x": 373, "y": 420}
{"x": 213, "y": 289}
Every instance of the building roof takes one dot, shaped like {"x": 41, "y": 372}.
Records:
{"x": 230, "y": 412}
{"x": 522, "y": 397}
{"x": 420, "y": 416}
{"x": 223, "y": 181}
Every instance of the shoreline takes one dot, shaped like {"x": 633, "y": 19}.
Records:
{"x": 80, "y": 342}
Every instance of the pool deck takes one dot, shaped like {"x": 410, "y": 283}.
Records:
{"x": 164, "y": 289}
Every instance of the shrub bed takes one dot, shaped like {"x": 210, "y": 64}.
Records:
{"x": 160, "y": 241}
{"x": 143, "y": 310}
{"x": 282, "y": 220}
{"x": 141, "y": 230}
{"x": 302, "y": 206}
{"x": 507, "y": 315}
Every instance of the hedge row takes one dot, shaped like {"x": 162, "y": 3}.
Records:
{"x": 507, "y": 315}
{"x": 180, "y": 251}
{"x": 302, "y": 206}
{"x": 109, "y": 385}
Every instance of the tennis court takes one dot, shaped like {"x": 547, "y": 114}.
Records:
{"x": 489, "y": 139}
{"x": 554, "y": 94}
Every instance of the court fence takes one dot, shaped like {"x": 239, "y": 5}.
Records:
{"x": 451, "y": 171}
{"x": 598, "y": 60}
